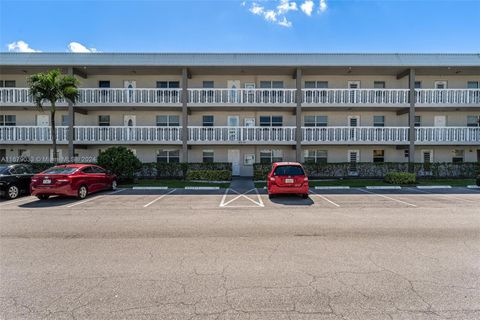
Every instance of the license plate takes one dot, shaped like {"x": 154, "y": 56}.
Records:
{"x": 47, "y": 181}
{"x": 288, "y": 180}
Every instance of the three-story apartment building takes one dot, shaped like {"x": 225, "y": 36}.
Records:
{"x": 248, "y": 108}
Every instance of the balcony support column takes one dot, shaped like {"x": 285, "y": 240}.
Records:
{"x": 184, "y": 115}
{"x": 298, "y": 116}
{"x": 411, "y": 122}
{"x": 71, "y": 124}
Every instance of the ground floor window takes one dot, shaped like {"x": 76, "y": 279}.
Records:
{"x": 315, "y": 156}
{"x": 271, "y": 156}
{"x": 168, "y": 156}
{"x": 458, "y": 156}
{"x": 378, "y": 155}
{"x": 208, "y": 156}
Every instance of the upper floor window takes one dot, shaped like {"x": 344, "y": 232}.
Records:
{"x": 378, "y": 121}
{"x": 104, "y": 84}
{"x": 104, "y": 120}
{"x": 472, "y": 85}
{"x": 208, "y": 120}
{"x": 418, "y": 121}
{"x": 418, "y": 84}
{"x": 315, "y": 121}
{"x": 168, "y": 121}
{"x": 271, "y": 121}
{"x": 379, "y": 84}
{"x": 271, "y": 84}
{"x": 473, "y": 121}
{"x": 168, "y": 84}
{"x": 8, "y": 120}
{"x": 208, "y": 84}
{"x": 316, "y": 84}
{"x": 440, "y": 84}
{"x": 7, "y": 84}
{"x": 65, "y": 121}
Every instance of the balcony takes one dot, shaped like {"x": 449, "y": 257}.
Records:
{"x": 243, "y": 135}
{"x": 244, "y": 97}
{"x": 97, "y": 97}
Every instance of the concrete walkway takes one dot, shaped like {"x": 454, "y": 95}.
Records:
{"x": 242, "y": 184}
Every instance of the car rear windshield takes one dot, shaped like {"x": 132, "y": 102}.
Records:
{"x": 60, "y": 170}
{"x": 288, "y": 171}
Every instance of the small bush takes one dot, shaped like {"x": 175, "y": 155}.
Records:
{"x": 400, "y": 178}
{"x": 209, "y": 175}
{"x": 120, "y": 161}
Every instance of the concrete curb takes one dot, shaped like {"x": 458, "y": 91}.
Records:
{"x": 473, "y": 186}
{"x": 332, "y": 187}
{"x": 434, "y": 187}
{"x": 149, "y": 188}
{"x": 383, "y": 187}
{"x": 201, "y": 188}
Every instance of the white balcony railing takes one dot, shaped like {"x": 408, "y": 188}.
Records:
{"x": 241, "y": 134}
{"x": 320, "y": 97}
{"x": 234, "y": 135}
{"x": 333, "y": 135}
{"x": 447, "y": 96}
{"x": 241, "y": 96}
{"x": 355, "y": 96}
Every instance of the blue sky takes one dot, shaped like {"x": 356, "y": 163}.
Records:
{"x": 240, "y": 26}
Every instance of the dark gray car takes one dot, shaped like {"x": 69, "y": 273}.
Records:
{"x": 15, "y": 180}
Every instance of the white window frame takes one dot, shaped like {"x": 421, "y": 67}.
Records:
{"x": 209, "y": 151}
{"x": 440, "y": 82}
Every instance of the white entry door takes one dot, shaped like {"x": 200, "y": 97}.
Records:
{"x": 440, "y": 121}
{"x": 234, "y": 159}
{"x": 234, "y": 122}
{"x": 130, "y": 120}
{"x": 43, "y": 120}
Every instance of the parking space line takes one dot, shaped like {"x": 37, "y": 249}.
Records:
{"x": 7, "y": 202}
{"x": 156, "y": 199}
{"x": 325, "y": 198}
{"x": 389, "y": 198}
{"x": 240, "y": 195}
{"x": 446, "y": 196}
{"x": 93, "y": 198}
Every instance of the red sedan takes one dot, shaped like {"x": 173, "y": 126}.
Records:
{"x": 287, "y": 177}
{"x": 76, "y": 180}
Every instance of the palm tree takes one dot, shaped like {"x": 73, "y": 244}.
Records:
{"x": 52, "y": 86}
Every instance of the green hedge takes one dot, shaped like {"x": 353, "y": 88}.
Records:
{"x": 178, "y": 170}
{"x": 379, "y": 170}
{"x": 209, "y": 175}
{"x": 400, "y": 178}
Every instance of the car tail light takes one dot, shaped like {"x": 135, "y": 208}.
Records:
{"x": 34, "y": 180}
{"x": 63, "y": 181}
{"x": 272, "y": 179}
{"x": 305, "y": 179}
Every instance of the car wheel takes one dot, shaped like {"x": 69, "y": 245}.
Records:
{"x": 43, "y": 196}
{"x": 12, "y": 192}
{"x": 114, "y": 185}
{"x": 82, "y": 192}
{"x": 305, "y": 196}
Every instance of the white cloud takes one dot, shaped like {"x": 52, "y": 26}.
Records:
{"x": 307, "y": 7}
{"x": 322, "y": 6}
{"x": 20, "y": 46}
{"x": 285, "y": 23}
{"x": 78, "y": 47}
{"x": 286, "y": 6}
{"x": 270, "y": 16}
{"x": 256, "y": 9}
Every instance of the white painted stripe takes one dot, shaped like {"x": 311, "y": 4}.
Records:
{"x": 332, "y": 187}
{"x": 389, "y": 198}
{"x": 7, "y": 202}
{"x": 446, "y": 196}
{"x": 223, "y": 198}
{"x": 325, "y": 198}
{"x": 201, "y": 188}
{"x": 383, "y": 187}
{"x": 259, "y": 198}
{"x": 150, "y": 188}
{"x": 224, "y": 204}
{"x": 156, "y": 199}
{"x": 434, "y": 187}
{"x": 94, "y": 198}
{"x": 472, "y": 186}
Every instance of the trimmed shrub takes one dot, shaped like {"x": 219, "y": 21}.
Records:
{"x": 209, "y": 175}
{"x": 261, "y": 170}
{"x": 400, "y": 178}
{"x": 120, "y": 161}
{"x": 162, "y": 170}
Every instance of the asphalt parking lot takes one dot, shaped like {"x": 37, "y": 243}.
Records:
{"x": 224, "y": 254}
